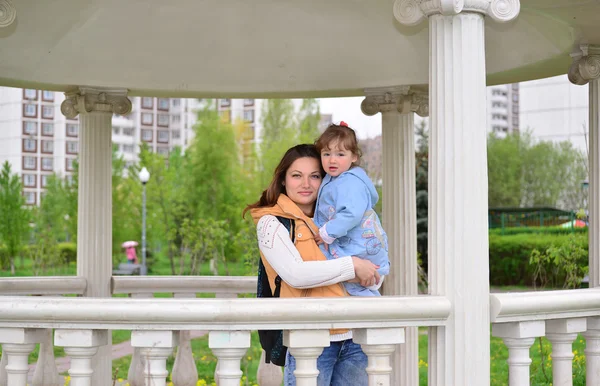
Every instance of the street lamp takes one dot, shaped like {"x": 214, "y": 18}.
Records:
{"x": 144, "y": 177}
{"x": 66, "y": 227}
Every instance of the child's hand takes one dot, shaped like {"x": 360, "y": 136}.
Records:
{"x": 320, "y": 241}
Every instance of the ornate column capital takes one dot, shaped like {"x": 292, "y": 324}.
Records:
{"x": 400, "y": 98}
{"x": 586, "y": 64}
{"x": 88, "y": 99}
{"x": 412, "y": 12}
{"x": 8, "y": 13}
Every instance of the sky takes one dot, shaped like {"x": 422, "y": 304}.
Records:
{"x": 348, "y": 110}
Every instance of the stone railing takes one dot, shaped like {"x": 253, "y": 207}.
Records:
{"x": 519, "y": 318}
{"x": 82, "y": 324}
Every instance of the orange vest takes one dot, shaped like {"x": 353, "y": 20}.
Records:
{"x": 307, "y": 247}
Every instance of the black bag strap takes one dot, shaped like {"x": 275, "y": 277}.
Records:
{"x": 290, "y": 225}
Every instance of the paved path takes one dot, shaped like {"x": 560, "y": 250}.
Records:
{"x": 119, "y": 350}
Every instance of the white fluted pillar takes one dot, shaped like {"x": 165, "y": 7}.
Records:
{"x": 562, "y": 333}
{"x": 229, "y": 347}
{"x": 397, "y": 105}
{"x": 592, "y": 351}
{"x": 458, "y": 234}
{"x": 95, "y": 108}
{"x": 155, "y": 347}
{"x": 306, "y": 346}
{"x": 594, "y": 183}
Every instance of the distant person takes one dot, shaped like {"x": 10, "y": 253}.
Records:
{"x": 345, "y": 210}
{"x": 131, "y": 255}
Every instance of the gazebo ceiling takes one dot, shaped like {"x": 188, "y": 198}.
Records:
{"x": 264, "y": 48}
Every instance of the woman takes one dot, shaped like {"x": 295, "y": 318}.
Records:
{"x": 303, "y": 268}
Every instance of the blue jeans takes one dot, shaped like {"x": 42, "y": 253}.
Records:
{"x": 341, "y": 364}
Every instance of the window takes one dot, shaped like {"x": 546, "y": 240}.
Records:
{"x": 175, "y": 118}
{"x": 30, "y": 94}
{"x": 163, "y": 151}
{"x": 30, "y": 110}
{"x": 225, "y": 116}
{"x": 249, "y": 115}
{"x": 29, "y": 145}
{"x": 176, "y": 134}
{"x": 127, "y": 148}
{"x": 147, "y": 103}
{"x": 29, "y": 198}
{"x": 147, "y": 118}
{"x": 163, "y": 104}
{"x": 515, "y": 97}
{"x": 176, "y": 102}
{"x": 163, "y": 136}
{"x": 116, "y": 130}
{"x": 48, "y": 95}
{"x": 47, "y": 163}
{"x": 44, "y": 180}
{"x": 29, "y": 180}
{"x": 29, "y": 162}
{"x": 72, "y": 130}
{"x": 70, "y": 164}
{"x": 128, "y": 132}
{"x": 163, "y": 120}
{"x": 72, "y": 147}
{"x": 48, "y": 129}
{"x": 225, "y": 102}
{"x": 515, "y": 121}
{"x": 70, "y": 180}
{"x": 48, "y": 112}
{"x": 30, "y": 128}
{"x": 47, "y": 147}
{"x": 248, "y": 102}
{"x": 147, "y": 135}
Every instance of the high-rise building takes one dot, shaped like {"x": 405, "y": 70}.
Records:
{"x": 503, "y": 109}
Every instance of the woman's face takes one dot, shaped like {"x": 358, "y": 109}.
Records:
{"x": 302, "y": 181}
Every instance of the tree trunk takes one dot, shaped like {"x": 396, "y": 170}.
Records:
{"x": 12, "y": 265}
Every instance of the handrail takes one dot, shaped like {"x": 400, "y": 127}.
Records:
{"x": 543, "y": 305}
{"x": 197, "y": 284}
{"x": 43, "y": 285}
{"x": 222, "y": 314}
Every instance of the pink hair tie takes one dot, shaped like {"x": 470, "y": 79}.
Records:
{"x": 342, "y": 123}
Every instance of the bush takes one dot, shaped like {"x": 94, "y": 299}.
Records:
{"x": 68, "y": 252}
{"x": 530, "y": 230}
{"x": 509, "y": 255}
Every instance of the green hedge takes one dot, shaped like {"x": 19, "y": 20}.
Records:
{"x": 509, "y": 255}
{"x": 68, "y": 252}
{"x": 530, "y": 230}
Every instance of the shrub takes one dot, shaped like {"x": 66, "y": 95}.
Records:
{"x": 545, "y": 230}
{"x": 68, "y": 252}
{"x": 564, "y": 264}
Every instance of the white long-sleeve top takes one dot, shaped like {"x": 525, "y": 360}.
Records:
{"x": 282, "y": 255}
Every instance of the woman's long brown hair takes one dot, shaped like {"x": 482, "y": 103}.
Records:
{"x": 269, "y": 197}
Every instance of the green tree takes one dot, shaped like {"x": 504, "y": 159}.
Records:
{"x": 309, "y": 117}
{"x": 506, "y": 162}
{"x": 14, "y": 216}
{"x": 421, "y": 184}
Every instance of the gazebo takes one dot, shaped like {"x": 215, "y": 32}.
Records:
{"x": 406, "y": 56}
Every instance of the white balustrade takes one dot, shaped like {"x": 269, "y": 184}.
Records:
{"x": 379, "y": 344}
{"x": 229, "y": 347}
{"x": 46, "y": 373}
{"x": 268, "y": 374}
{"x": 592, "y": 351}
{"x": 306, "y": 346}
{"x": 80, "y": 346}
{"x": 562, "y": 333}
{"x": 518, "y": 338}
{"x": 155, "y": 347}
{"x": 17, "y": 344}
{"x": 135, "y": 375}
{"x": 184, "y": 371}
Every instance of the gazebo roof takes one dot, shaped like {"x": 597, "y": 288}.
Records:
{"x": 264, "y": 48}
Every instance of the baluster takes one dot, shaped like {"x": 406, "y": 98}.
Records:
{"x": 184, "y": 371}
{"x": 229, "y": 347}
{"x": 81, "y": 346}
{"x": 562, "y": 333}
{"x": 222, "y": 295}
{"x": 3, "y": 361}
{"x": 378, "y": 344}
{"x": 135, "y": 375}
{"x": 306, "y": 346}
{"x": 46, "y": 373}
{"x": 17, "y": 344}
{"x": 155, "y": 348}
{"x": 268, "y": 374}
{"x": 518, "y": 338}
{"x": 592, "y": 351}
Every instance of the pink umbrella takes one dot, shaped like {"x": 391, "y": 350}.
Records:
{"x": 129, "y": 244}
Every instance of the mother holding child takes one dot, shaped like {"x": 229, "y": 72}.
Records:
{"x": 342, "y": 252}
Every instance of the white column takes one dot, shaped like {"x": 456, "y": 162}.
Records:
{"x": 306, "y": 346}
{"x": 592, "y": 351}
{"x": 95, "y": 108}
{"x": 379, "y": 344}
{"x": 518, "y": 338}
{"x": 17, "y": 344}
{"x": 81, "y": 346}
{"x": 155, "y": 348}
{"x": 562, "y": 333}
{"x": 397, "y": 105}
{"x": 229, "y": 347}
{"x": 458, "y": 234}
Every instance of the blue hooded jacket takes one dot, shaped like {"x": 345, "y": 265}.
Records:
{"x": 346, "y": 204}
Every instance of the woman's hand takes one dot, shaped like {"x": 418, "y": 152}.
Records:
{"x": 365, "y": 271}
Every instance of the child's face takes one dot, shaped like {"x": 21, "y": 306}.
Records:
{"x": 337, "y": 160}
